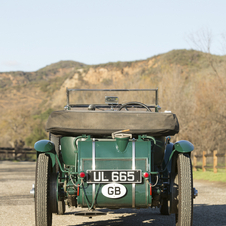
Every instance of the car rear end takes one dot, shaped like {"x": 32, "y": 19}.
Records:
{"x": 114, "y": 176}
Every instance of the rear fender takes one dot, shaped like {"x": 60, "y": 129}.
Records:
{"x": 184, "y": 146}
{"x": 47, "y": 147}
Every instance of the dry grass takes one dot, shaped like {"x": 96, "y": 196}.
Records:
{"x": 209, "y": 175}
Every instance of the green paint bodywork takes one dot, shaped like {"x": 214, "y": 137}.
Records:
{"x": 77, "y": 156}
{"x": 47, "y": 147}
{"x": 107, "y": 157}
{"x": 121, "y": 143}
{"x": 183, "y": 146}
{"x": 44, "y": 146}
{"x": 68, "y": 150}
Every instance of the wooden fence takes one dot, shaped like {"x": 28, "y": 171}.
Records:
{"x": 7, "y": 153}
{"x": 204, "y": 156}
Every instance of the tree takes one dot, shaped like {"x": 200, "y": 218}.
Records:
{"x": 211, "y": 94}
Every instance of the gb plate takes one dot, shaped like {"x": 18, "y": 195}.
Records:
{"x": 114, "y": 190}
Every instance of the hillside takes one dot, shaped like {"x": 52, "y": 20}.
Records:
{"x": 50, "y": 71}
{"x": 191, "y": 84}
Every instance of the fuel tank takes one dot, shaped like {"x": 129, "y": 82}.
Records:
{"x": 102, "y": 158}
{"x": 114, "y": 169}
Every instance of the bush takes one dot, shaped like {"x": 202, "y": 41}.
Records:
{"x": 37, "y": 134}
{"x": 43, "y": 116}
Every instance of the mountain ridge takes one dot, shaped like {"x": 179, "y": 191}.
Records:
{"x": 184, "y": 78}
{"x": 186, "y": 58}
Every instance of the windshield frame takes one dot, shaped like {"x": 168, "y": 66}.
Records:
{"x": 68, "y": 91}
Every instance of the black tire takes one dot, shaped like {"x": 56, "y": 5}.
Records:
{"x": 164, "y": 210}
{"x": 184, "y": 182}
{"x": 61, "y": 207}
{"x": 43, "y": 214}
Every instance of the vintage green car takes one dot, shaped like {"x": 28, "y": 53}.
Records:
{"x": 112, "y": 153}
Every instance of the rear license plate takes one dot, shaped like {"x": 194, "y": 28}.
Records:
{"x": 119, "y": 176}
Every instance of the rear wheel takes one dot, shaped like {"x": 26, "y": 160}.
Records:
{"x": 61, "y": 207}
{"x": 183, "y": 181}
{"x": 43, "y": 213}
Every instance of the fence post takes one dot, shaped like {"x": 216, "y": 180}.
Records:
{"x": 203, "y": 161}
{"x": 194, "y": 162}
{"x": 25, "y": 155}
{"x": 14, "y": 153}
{"x": 225, "y": 160}
{"x": 215, "y": 161}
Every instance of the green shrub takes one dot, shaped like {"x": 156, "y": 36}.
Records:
{"x": 38, "y": 133}
{"x": 44, "y": 115}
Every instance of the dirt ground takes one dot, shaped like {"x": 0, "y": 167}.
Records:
{"x": 17, "y": 205}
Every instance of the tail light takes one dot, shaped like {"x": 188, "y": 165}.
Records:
{"x": 146, "y": 175}
{"x": 82, "y": 175}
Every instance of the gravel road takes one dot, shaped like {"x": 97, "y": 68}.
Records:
{"x": 17, "y": 205}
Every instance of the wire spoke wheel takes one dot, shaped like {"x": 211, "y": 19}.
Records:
{"x": 43, "y": 213}
{"x": 184, "y": 183}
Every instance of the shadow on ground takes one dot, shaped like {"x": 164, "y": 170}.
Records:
{"x": 208, "y": 215}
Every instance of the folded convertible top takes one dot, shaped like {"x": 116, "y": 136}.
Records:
{"x": 102, "y": 123}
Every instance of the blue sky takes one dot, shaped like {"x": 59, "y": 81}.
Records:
{"x": 34, "y": 34}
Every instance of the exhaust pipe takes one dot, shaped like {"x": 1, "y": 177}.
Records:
{"x": 32, "y": 191}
